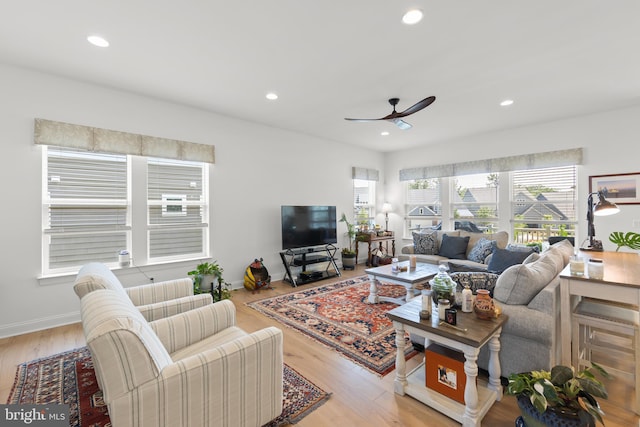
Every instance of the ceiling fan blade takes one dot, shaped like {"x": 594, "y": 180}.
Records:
{"x": 401, "y": 124}
{"x": 364, "y": 120}
{"x": 417, "y": 106}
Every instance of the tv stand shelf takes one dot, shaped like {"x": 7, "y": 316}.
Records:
{"x": 302, "y": 257}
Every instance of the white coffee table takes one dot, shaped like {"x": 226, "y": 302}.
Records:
{"x": 409, "y": 279}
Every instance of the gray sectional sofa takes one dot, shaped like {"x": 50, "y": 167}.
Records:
{"x": 432, "y": 251}
{"x": 529, "y": 294}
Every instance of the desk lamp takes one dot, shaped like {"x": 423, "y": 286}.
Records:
{"x": 602, "y": 208}
{"x": 386, "y": 208}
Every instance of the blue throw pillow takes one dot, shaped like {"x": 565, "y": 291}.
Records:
{"x": 425, "y": 243}
{"x": 482, "y": 249}
{"x": 454, "y": 247}
{"x": 504, "y": 258}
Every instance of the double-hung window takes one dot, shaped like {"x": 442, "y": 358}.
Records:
{"x": 177, "y": 206}
{"x": 422, "y": 204}
{"x": 90, "y": 199}
{"x": 543, "y": 203}
{"x": 86, "y": 208}
{"x": 364, "y": 202}
{"x": 474, "y": 202}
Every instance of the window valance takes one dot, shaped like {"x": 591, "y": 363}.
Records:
{"x": 502, "y": 164}
{"x": 68, "y": 135}
{"x": 364, "y": 173}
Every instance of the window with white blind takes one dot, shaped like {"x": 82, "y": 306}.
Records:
{"x": 474, "y": 202}
{"x": 543, "y": 203}
{"x": 364, "y": 202}
{"x": 423, "y": 205}
{"x": 86, "y": 208}
{"x": 89, "y": 199}
{"x": 177, "y": 203}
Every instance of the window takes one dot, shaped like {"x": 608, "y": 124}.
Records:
{"x": 177, "y": 209}
{"x": 474, "y": 202}
{"x": 423, "y": 205}
{"x": 86, "y": 208}
{"x": 89, "y": 199}
{"x": 543, "y": 203}
{"x": 364, "y": 203}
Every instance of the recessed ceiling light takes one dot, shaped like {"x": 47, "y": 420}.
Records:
{"x": 98, "y": 41}
{"x": 385, "y": 133}
{"x": 506, "y": 102}
{"x": 272, "y": 96}
{"x": 412, "y": 17}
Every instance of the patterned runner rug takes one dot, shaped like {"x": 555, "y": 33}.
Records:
{"x": 338, "y": 316}
{"x": 69, "y": 378}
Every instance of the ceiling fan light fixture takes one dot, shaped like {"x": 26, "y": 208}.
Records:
{"x": 412, "y": 16}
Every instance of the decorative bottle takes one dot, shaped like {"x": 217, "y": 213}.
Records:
{"x": 467, "y": 299}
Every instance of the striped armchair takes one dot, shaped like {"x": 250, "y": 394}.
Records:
{"x": 193, "y": 369}
{"x": 155, "y": 300}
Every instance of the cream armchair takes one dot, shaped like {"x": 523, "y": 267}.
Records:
{"x": 155, "y": 300}
{"x": 192, "y": 369}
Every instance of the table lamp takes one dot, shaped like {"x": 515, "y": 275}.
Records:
{"x": 602, "y": 208}
{"x": 386, "y": 208}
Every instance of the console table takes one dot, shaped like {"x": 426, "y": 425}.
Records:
{"x": 372, "y": 240}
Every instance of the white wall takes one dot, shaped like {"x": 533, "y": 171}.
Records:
{"x": 257, "y": 169}
{"x": 610, "y": 141}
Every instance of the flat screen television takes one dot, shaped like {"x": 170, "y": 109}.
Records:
{"x": 304, "y": 226}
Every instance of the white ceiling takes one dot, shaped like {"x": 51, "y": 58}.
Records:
{"x": 332, "y": 59}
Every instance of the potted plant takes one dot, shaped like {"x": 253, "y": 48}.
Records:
{"x": 208, "y": 276}
{"x": 349, "y": 254}
{"x": 630, "y": 240}
{"x": 546, "y": 397}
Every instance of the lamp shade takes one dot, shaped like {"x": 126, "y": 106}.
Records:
{"x": 386, "y": 207}
{"x": 605, "y": 207}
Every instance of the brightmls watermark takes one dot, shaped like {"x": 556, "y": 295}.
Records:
{"x": 52, "y": 415}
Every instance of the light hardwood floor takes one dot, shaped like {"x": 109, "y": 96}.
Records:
{"x": 359, "y": 398}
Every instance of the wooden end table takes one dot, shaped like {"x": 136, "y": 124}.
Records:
{"x": 478, "y": 397}
{"x": 372, "y": 240}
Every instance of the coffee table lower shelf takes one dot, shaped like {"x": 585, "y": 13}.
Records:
{"x": 417, "y": 389}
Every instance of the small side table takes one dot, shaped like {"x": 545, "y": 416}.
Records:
{"x": 478, "y": 397}
{"x": 371, "y": 240}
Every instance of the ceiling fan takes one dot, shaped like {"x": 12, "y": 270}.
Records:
{"x": 396, "y": 117}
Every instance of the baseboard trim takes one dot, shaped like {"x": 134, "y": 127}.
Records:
{"x": 21, "y": 328}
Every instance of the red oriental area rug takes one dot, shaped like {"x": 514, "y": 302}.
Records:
{"x": 339, "y": 316}
{"x": 69, "y": 378}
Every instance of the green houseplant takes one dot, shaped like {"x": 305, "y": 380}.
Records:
{"x": 349, "y": 254}
{"x": 630, "y": 240}
{"x": 205, "y": 278}
{"x": 545, "y": 396}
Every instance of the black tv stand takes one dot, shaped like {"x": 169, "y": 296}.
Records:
{"x": 300, "y": 258}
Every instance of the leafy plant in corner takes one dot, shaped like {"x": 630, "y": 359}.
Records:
{"x": 351, "y": 233}
{"x": 562, "y": 391}
{"x": 630, "y": 240}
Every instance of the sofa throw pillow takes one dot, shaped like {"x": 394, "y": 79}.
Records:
{"x": 454, "y": 247}
{"x": 501, "y": 259}
{"x": 457, "y": 267}
{"x": 482, "y": 249}
{"x": 523, "y": 248}
{"x": 425, "y": 243}
{"x": 519, "y": 284}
